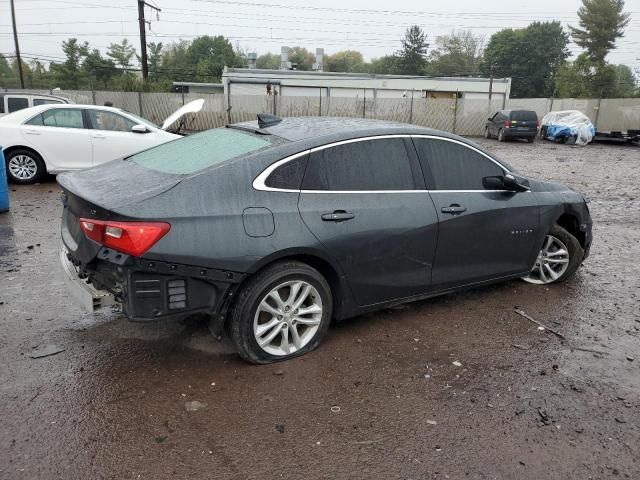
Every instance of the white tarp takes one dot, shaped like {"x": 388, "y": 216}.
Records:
{"x": 569, "y": 124}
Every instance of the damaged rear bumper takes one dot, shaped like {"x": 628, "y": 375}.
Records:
{"x": 85, "y": 294}
{"x": 149, "y": 289}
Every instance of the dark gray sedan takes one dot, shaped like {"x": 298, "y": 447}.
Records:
{"x": 274, "y": 228}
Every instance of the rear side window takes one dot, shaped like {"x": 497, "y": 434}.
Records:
{"x": 196, "y": 152}
{"x": 44, "y": 101}
{"x": 15, "y": 103}
{"x": 454, "y": 166}
{"x": 524, "y": 116}
{"x": 1, "y": 104}
{"x": 288, "y": 176}
{"x": 368, "y": 165}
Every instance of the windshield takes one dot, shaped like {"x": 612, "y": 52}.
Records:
{"x": 141, "y": 120}
{"x": 196, "y": 152}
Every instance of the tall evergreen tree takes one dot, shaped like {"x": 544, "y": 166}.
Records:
{"x": 412, "y": 57}
{"x": 602, "y": 23}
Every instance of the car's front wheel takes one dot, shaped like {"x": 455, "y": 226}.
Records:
{"x": 282, "y": 312}
{"x": 559, "y": 258}
{"x": 25, "y": 166}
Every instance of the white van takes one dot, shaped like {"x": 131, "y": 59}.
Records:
{"x": 14, "y": 101}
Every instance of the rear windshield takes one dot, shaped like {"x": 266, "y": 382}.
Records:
{"x": 196, "y": 152}
{"x": 523, "y": 115}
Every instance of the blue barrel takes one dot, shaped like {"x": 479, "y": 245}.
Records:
{"x": 4, "y": 188}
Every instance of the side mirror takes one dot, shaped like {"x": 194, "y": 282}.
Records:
{"x": 493, "y": 183}
{"x": 508, "y": 182}
{"x": 139, "y": 129}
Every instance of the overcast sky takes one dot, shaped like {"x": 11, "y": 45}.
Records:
{"x": 370, "y": 26}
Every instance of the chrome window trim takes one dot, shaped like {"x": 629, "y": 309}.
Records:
{"x": 259, "y": 183}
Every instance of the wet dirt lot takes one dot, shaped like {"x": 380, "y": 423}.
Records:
{"x": 381, "y": 398}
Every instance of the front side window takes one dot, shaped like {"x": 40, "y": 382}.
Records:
{"x": 454, "y": 166}
{"x": 379, "y": 164}
{"x": 16, "y": 103}
{"x": 60, "y": 117}
{"x": 104, "y": 120}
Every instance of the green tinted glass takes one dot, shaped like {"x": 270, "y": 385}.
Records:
{"x": 195, "y": 152}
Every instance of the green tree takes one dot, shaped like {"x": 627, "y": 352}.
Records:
{"x": 301, "y": 58}
{"x": 530, "y": 56}
{"x": 602, "y": 23}
{"x": 176, "y": 64}
{"x": 386, "y": 65}
{"x": 345, "y": 61}
{"x": 209, "y": 55}
{"x": 6, "y": 73}
{"x": 69, "y": 74}
{"x": 99, "y": 70}
{"x": 122, "y": 53}
{"x": 154, "y": 59}
{"x": 586, "y": 78}
{"x": 412, "y": 57}
{"x": 268, "y": 61}
{"x": 456, "y": 54}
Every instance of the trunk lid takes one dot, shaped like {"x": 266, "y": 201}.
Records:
{"x": 98, "y": 193}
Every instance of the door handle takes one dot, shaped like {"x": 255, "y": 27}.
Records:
{"x": 98, "y": 135}
{"x": 337, "y": 216}
{"x": 32, "y": 132}
{"x": 454, "y": 209}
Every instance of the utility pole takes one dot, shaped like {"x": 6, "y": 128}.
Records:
{"x": 15, "y": 38}
{"x": 143, "y": 36}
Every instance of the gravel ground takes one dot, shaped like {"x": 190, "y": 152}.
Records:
{"x": 381, "y": 398}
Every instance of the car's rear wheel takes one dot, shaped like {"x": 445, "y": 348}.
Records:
{"x": 531, "y": 139}
{"x": 25, "y": 166}
{"x": 282, "y": 312}
{"x": 501, "y": 137}
{"x": 559, "y": 258}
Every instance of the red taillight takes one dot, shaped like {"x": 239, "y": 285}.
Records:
{"x": 507, "y": 124}
{"x": 133, "y": 238}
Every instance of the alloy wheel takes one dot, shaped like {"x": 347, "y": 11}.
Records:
{"x": 23, "y": 167}
{"x": 287, "y": 318}
{"x": 552, "y": 262}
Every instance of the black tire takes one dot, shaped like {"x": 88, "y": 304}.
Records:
{"x": 486, "y": 133}
{"x": 576, "y": 255}
{"x": 40, "y": 168}
{"x": 250, "y": 296}
{"x": 531, "y": 139}
{"x": 576, "y": 252}
{"x": 501, "y": 137}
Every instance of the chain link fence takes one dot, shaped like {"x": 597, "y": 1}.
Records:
{"x": 464, "y": 116}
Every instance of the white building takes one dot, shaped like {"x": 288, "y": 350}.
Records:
{"x": 245, "y": 81}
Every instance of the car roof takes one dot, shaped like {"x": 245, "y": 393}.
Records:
{"x": 29, "y": 94}
{"x": 297, "y": 129}
{"x": 26, "y": 113}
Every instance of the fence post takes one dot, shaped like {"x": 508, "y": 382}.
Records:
{"x": 320, "y": 105}
{"x": 182, "y": 96}
{"x": 93, "y": 96}
{"x": 411, "y": 108}
{"x": 595, "y": 122}
{"x": 455, "y": 112}
{"x": 364, "y": 102}
{"x": 275, "y": 104}
{"x": 140, "y": 104}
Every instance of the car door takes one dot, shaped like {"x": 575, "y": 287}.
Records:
{"x": 365, "y": 201}
{"x": 60, "y": 136}
{"x": 112, "y": 137}
{"x": 482, "y": 234}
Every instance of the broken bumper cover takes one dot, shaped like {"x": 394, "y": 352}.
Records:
{"x": 85, "y": 294}
{"x": 149, "y": 289}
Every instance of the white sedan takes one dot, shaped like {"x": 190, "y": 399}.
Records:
{"x": 60, "y": 138}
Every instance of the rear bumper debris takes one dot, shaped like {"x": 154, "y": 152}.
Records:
{"x": 85, "y": 294}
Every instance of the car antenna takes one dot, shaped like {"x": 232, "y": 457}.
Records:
{"x": 267, "y": 120}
